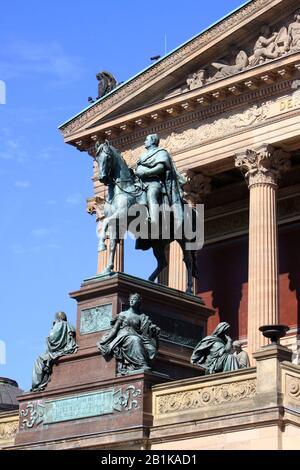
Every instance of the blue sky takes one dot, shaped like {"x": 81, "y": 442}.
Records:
{"x": 49, "y": 55}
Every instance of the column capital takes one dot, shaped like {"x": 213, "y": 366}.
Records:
{"x": 95, "y": 205}
{"x": 262, "y": 165}
{"x": 197, "y": 185}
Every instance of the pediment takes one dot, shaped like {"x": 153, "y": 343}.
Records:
{"x": 260, "y": 32}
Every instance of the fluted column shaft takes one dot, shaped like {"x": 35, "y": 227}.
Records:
{"x": 263, "y": 283}
{"x": 197, "y": 185}
{"x": 177, "y": 276}
{"x": 262, "y": 167}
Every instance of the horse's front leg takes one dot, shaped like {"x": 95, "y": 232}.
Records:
{"x": 112, "y": 252}
{"x": 111, "y": 260}
{"x": 102, "y": 235}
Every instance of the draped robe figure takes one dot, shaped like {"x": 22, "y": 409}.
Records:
{"x": 242, "y": 356}
{"x": 60, "y": 342}
{"x": 133, "y": 339}
{"x": 213, "y": 352}
{"x": 162, "y": 182}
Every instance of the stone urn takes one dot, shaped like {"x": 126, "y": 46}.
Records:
{"x": 274, "y": 332}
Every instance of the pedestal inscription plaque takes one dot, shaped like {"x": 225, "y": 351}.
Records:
{"x": 84, "y": 405}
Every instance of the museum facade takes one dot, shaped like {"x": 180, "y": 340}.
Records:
{"x": 226, "y": 106}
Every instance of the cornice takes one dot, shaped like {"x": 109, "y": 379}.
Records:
{"x": 199, "y": 128}
{"x": 174, "y": 59}
{"x": 202, "y": 114}
{"x": 262, "y": 83}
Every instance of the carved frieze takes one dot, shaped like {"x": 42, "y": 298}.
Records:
{"x": 210, "y": 129}
{"x": 177, "y": 331}
{"x": 206, "y": 396}
{"x": 227, "y": 226}
{"x": 232, "y": 222}
{"x": 293, "y": 387}
{"x": 220, "y": 120}
{"x": 8, "y": 430}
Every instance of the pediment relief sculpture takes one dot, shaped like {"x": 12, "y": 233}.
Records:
{"x": 225, "y": 70}
{"x": 270, "y": 44}
{"x": 196, "y": 79}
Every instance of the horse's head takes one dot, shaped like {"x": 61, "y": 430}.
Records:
{"x": 105, "y": 160}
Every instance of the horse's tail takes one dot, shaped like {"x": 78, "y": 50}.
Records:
{"x": 195, "y": 270}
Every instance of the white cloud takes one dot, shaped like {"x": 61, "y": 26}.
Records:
{"x": 36, "y": 249}
{"x": 22, "y": 184}
{"x": 74, "y": 198}
{"x": 40, "y": 232}
{"x": 48, "y": 153}
{"x": 18, "y": 249}
{"x": 21, "y": 58}
{"x": 12, "y": 149}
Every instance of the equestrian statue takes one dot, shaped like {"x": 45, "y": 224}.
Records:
{"x": 154, "y": 190}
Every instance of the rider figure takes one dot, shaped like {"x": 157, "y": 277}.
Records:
{"x": 162, "y": 182}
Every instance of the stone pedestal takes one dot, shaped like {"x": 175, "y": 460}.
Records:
{"x": 268, "y": 364}
{"x": 103, "y": 414}
{"x": 86, "y": 403}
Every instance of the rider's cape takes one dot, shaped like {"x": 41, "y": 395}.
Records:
{"x": 172, "y": 185}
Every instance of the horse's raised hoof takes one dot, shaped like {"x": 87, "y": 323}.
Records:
{"x": 102, "y": 247}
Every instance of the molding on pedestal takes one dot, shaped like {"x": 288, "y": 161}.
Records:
{"x": 281, "y": 353}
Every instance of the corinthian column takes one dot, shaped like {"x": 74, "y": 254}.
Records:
{"x": 262, "y": 168}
